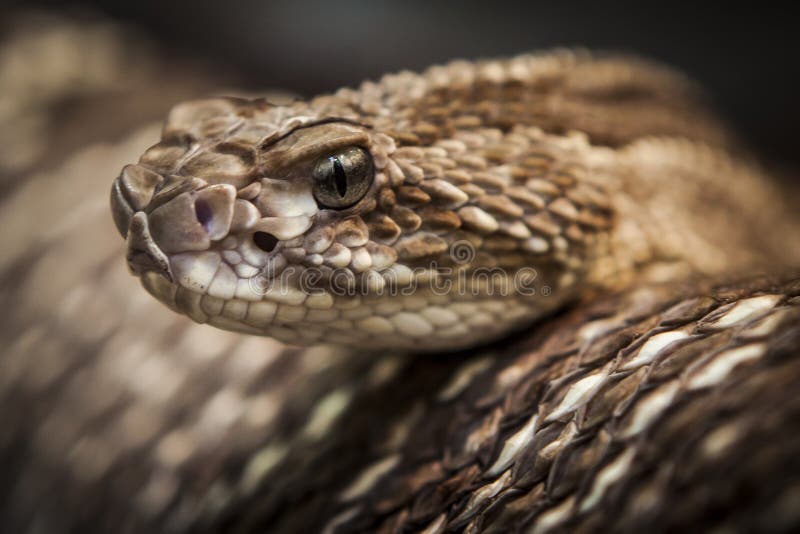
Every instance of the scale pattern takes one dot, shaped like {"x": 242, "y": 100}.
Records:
{"x": 502, "y": 190}
{"x": 662, "y": 408}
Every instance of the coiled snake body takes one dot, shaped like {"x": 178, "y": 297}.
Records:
{"x": 651, "y": 393}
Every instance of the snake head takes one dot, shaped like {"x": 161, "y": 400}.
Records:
{"x": 319, "y": 222}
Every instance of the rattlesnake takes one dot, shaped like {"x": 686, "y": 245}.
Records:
{"x": 444, "y": 209}
{"x": 651, "y": 392}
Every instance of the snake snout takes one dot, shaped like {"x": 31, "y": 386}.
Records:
{"x": 121, "y": 209}
{"x": 143, "y": 253}
{"x": 131, "y": 192}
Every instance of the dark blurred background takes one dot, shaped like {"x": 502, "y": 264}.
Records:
{"x": 746, "y": 58}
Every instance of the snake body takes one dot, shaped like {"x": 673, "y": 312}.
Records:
{"x": 658, "y": 392}
{"x": 488, "y": 195}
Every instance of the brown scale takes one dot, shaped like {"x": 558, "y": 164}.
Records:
{"x": 619, "y": 112}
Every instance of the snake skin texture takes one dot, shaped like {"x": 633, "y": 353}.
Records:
{"x": 666, "y": 406}
{"x": 502, "y": 189}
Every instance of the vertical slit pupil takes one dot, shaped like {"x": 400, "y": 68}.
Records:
{"x": 339, "y": 177}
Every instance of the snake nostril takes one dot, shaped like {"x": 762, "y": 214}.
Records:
{"x": 203, "y": 213}
{"x": 265, "y": 241}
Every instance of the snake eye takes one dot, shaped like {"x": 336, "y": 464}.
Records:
{"x": 342, "y": 179}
